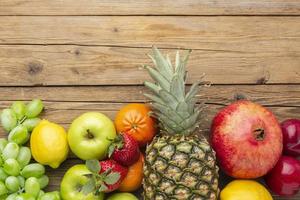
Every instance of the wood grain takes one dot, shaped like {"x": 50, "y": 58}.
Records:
{"x": 268, "y": 95}
{"x": 150, "y": 7}
{"x": 241, "y": 34}
{"x": 96, "y": 65}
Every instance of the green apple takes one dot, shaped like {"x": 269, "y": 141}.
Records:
{"x": 122, "y": 196}
{"x": 72, "y": 183}
{"x": 90, "y": 135}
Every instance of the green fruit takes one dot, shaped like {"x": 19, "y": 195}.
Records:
{"x": 41, "y": 193}
{"x": 3, "y": 189}
{"x": 73, "y": 181}
{"x": 122, "y": 196}
{"x": 8, "y": 119}
{"x": 43, "y": 181}
{"x": 90, "y": 135}
{"x": 34, "y": 108}
{"x": 3, "y": 175}
{"x": 11, "y": 167}
{"x": 12, "y": 196}
{"x": 25, "y": 196}
{"x": 32, "y": 186}
{"x": 50, "y": 196}
{"x": 12, "y": 184}
{"x": 11, "y": 150}
{"x": 3, "y": 143}
{"x": 19, "y": 135}
{"x": 21, "y": 180}
{"x": 19, "y": 108}
{"x": 33, "y": 170}
{"x": 30, "y": 124}
{"x": 24, "y": 156}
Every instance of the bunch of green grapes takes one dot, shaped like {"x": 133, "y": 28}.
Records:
{"x": 20, "y": 179}
{"x": 20, "y": 119}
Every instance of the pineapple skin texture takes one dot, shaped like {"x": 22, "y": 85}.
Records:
{"x": 180, "y": 168}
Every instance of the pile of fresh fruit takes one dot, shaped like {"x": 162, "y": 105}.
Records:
{"x": 111, "y": 151}
{"x": 178, "y": 163}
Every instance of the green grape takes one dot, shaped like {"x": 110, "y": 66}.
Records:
{"x": 8, "y": 119}
{"x": 21, "y": 180}
{"x": 3, "y": 189}
{"x": 12, "y": 196}
{"x": 34, "y": 108}
{"x": 24, "y": 156}
{"x": 19, "y": 135}
{"x": 43, "y": 181}
{"x": 11, "y": 167}
{"x": 3, "y": 143}
{"x": 30, "y": 124}
{"x": 51, "y": 196}
{"x": 41, "y": 193}
{"x": 19, "y": 108}
{"x": 33, "y": 170}
{"x": 25, "y": 196}
{"x": 3, "y": 174}
{"x": 32, "y": 186}
{"x": 12, "y": 184}
{"x": 11, "y": 150}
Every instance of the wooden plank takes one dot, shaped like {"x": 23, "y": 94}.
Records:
{"x": 269, "y": 95}
{"x": 96, "y": 65}
{"x": 150, "y": 7}
{"x": 223, "y": 33}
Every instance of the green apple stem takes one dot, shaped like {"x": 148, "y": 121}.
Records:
{"x": 89, "y": 134}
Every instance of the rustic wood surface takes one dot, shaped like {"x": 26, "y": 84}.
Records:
{"x": 87, "y": 55}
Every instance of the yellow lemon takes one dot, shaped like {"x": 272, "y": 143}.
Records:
{"x": 245, "y": 190}
{"x": 48, "y": 143}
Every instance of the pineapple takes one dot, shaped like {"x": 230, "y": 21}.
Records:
{"x": 179, "y": 164}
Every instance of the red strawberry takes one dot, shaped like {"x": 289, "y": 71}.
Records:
{"x": 106, "y": 176}
{"x": 124, "y": 149}
{"x": 117, "y": 173}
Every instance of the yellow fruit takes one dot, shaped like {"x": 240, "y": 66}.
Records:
{"x": 245, "y": 190}
{"x": 48, "y": 143}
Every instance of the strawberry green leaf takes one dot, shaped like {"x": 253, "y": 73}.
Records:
{"x": 88, "y": 187}
{"x": 112, "y": 178}
{"x": 93, "y": 166}
{"x": 102, "y": 188}
{"x": 111, "y": 150}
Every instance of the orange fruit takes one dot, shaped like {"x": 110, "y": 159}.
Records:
{"x": 135, "y": 120}
{"x": 134, "y": 177}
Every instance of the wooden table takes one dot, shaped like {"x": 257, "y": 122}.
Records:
{"x": 85, "y": 55}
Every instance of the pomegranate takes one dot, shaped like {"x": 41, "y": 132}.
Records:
{"x": 291, "y": 137}
{"x": 247, "y": 139}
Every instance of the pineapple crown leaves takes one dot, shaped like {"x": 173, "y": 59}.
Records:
{"x": 176, "y": 110}
{"x": 97, "y": 182}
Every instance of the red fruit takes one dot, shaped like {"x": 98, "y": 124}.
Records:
{"x": 291, "y": 137}
{"x": 111, "y": 167}
{"x": 247, "y": 139}
{"x": 125, "y": 150}
{"x": 284, "y": 178}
